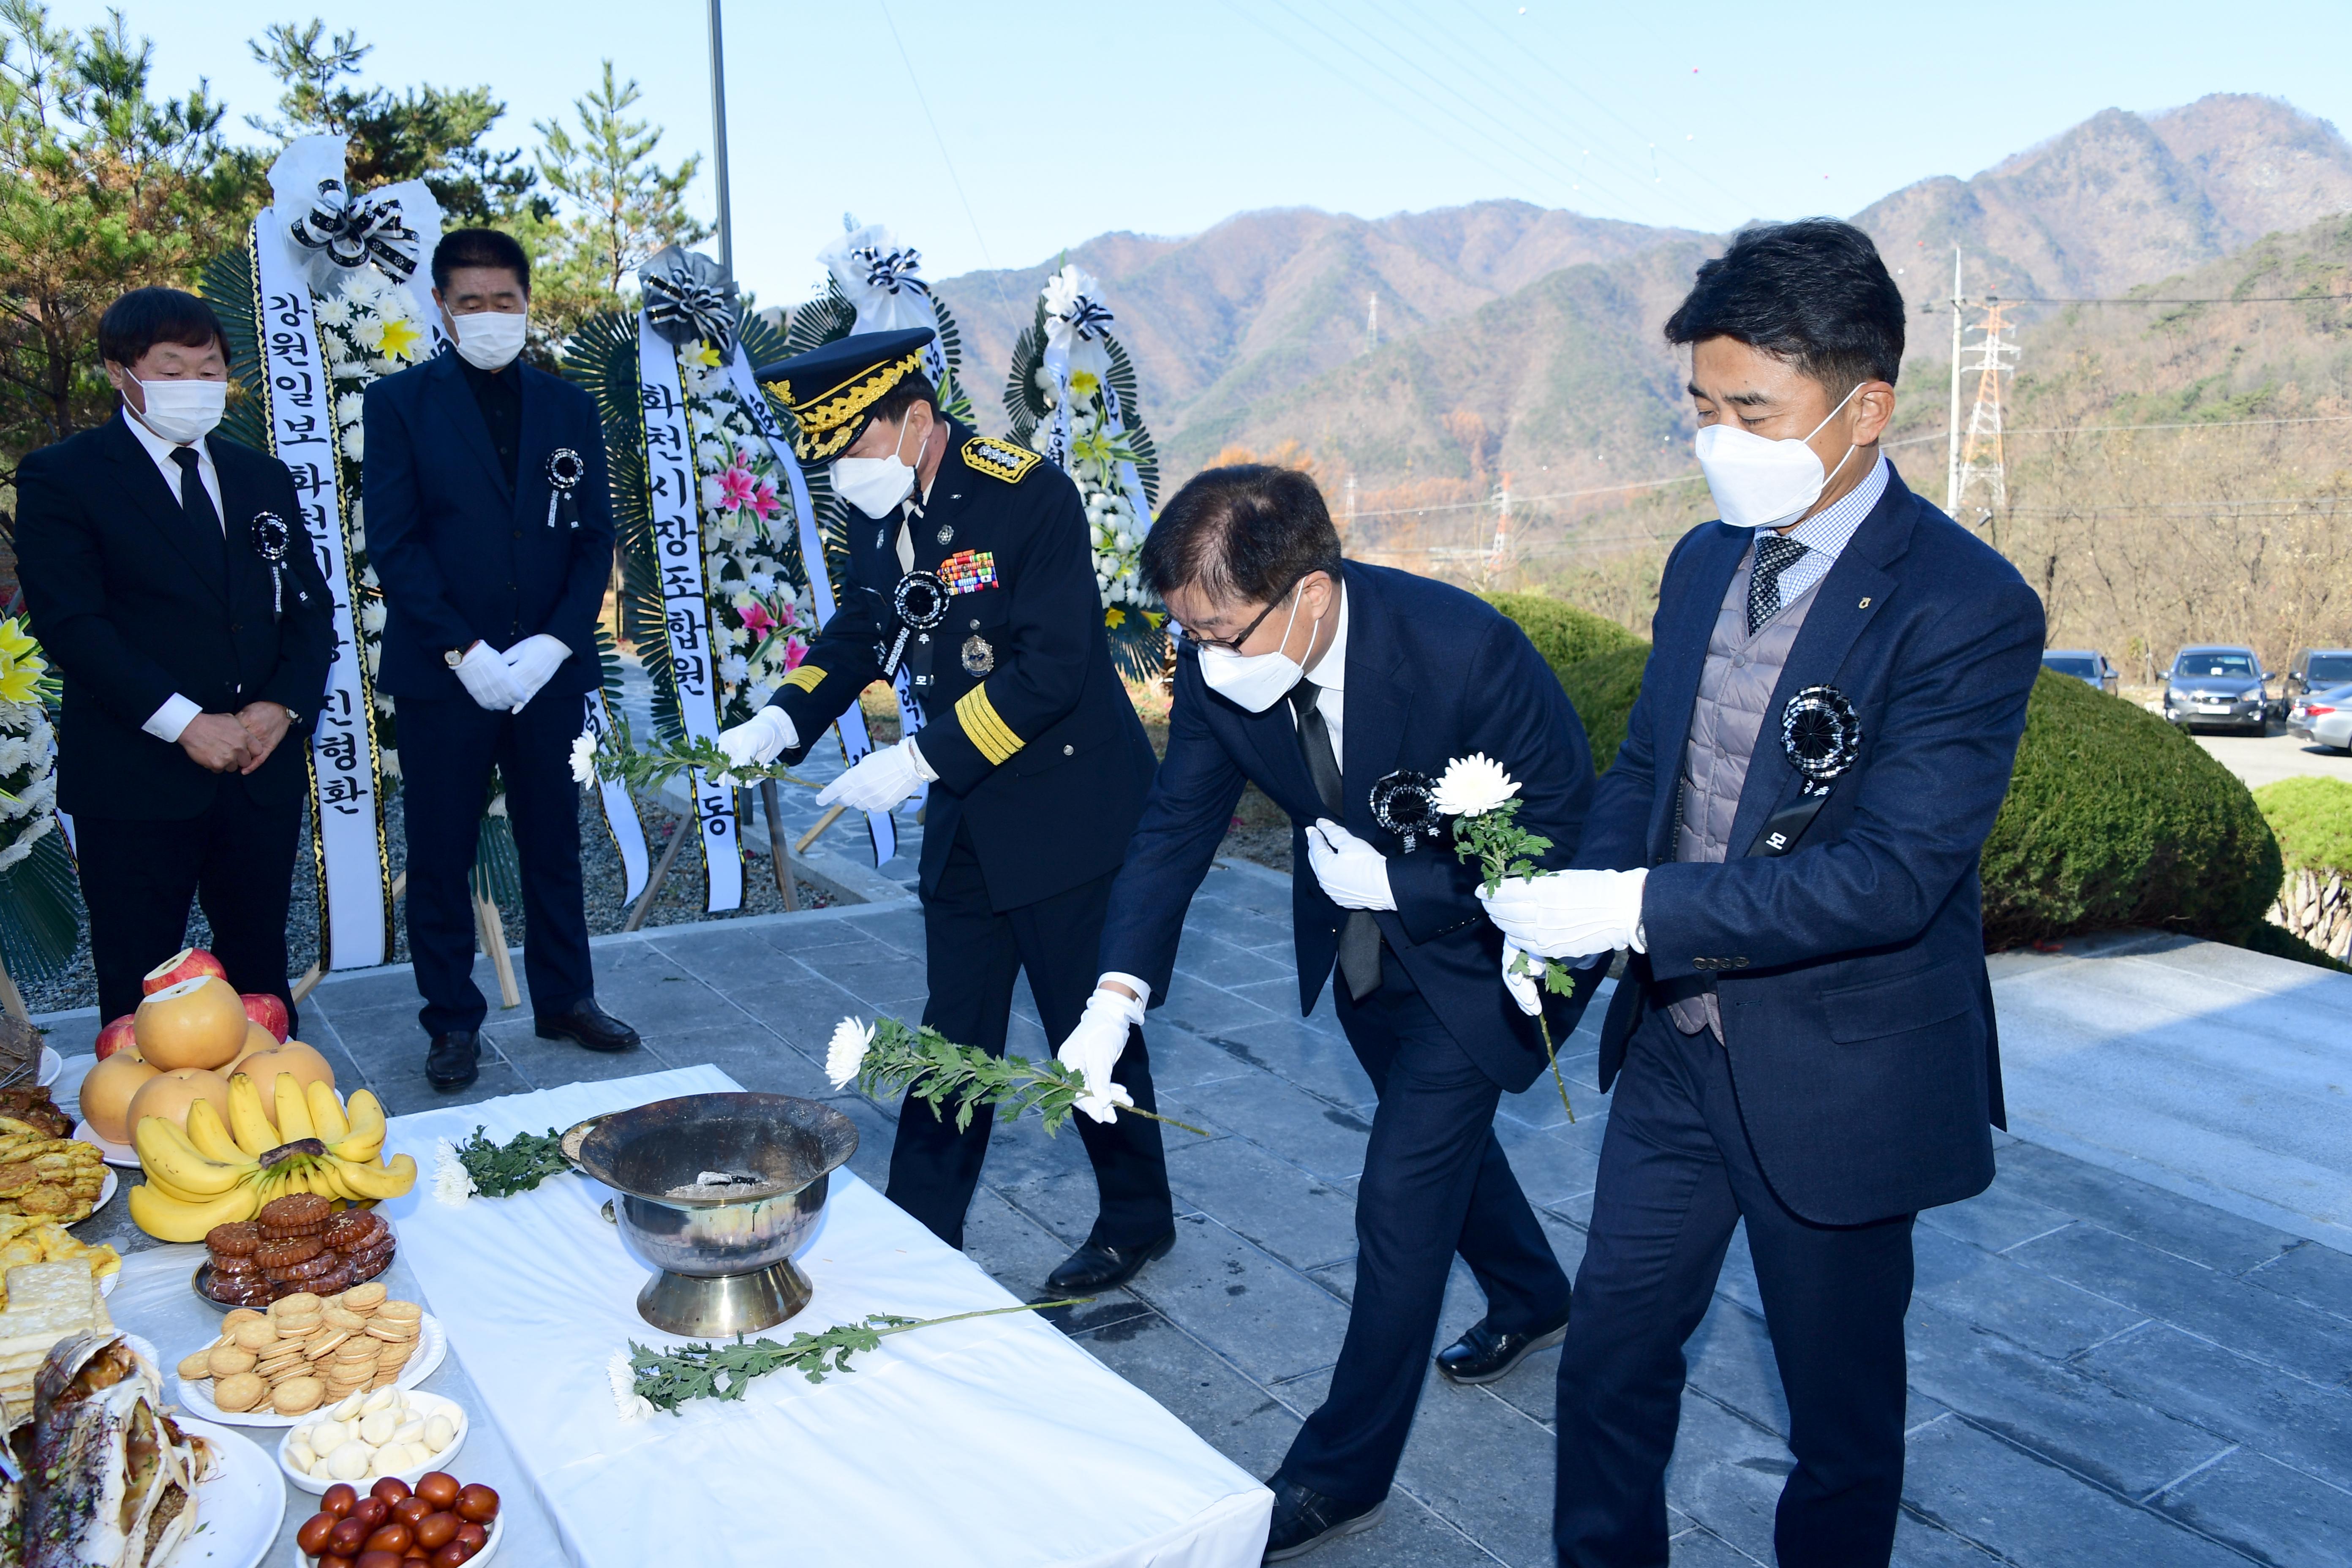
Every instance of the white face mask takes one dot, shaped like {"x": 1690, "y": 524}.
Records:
{"x": 875, "y": 485}
{"x": 490, "y": 340}
{"x": 180, "y": 411}
{"x": 1255, "y": 680}
{"x": 1763, "y": 483}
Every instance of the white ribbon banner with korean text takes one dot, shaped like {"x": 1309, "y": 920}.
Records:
{"x": 672, "y": 492}
{"x": 356, "y": 932}
{"x": 854, "y": 741}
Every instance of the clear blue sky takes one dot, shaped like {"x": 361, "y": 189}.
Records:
{"x": 1057, "y": 122}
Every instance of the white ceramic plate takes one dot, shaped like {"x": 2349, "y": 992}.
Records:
{"x": 52, "y": 1064}
{"x": 301, "y": 1559}
{"x": 122, "y": 1156}
{"x": 424, "y": 1405}
{"x": 238, "y": 1510}
{"x": 196, "y": 1393}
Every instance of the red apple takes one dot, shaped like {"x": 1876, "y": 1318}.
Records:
{"x": 119, "y": 1035}
{"x": 188, "y": 963}
{"x": 266, "y": 1009}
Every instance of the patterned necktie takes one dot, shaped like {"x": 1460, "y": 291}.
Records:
{"x": 1360, "y": 935}
{"x": 1775, "y": 553}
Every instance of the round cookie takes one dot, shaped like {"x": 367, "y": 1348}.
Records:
{"x": 296, "y": 1396}
{"x": 226, "y": 1360}
{"x": 239, "y": 1392}
{"x": 365, "y": 1298}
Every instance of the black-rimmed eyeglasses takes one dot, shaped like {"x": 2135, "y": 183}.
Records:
{"x": 1234, "y": 643}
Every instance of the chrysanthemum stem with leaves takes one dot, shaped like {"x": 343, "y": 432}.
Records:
{"x": 648, "y": 769}
{"x": 886, "y": 1057}
{"x": 1481, "y": 798}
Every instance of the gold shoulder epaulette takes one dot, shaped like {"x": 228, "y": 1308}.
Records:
{"x": 1000, "y": 460}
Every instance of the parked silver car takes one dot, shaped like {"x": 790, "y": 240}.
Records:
{"x": 2218, "y": 686}
{"x": 2086, "y": 664}
{"x": 2323, "y": 717}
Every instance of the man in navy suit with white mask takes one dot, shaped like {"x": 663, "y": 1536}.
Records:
{"x": 1326, "y": 683}
{"x": 489, "y": 521}
{"x": 1787, "y": 844}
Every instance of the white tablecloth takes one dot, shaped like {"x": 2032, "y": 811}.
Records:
{"x": 996, "y": 1442}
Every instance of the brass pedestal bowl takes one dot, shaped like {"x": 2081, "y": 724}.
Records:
{"x": 716, "y": 1192}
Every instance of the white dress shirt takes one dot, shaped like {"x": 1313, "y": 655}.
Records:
{"x": 1826, "y": 534}
{"x": 167, "y": 722}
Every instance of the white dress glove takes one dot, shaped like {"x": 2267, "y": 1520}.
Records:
{"x": 1527, "y": 990}
{"x": 758, "y": 739}
{"x": 534, "y": 661}
{"x": 879, "y": 780}
{"x": 1354, "y": 874}
{"x": 1570, "y": 914}
{"x": 1094, "y": 1047}
{"x": 489, "y": 680}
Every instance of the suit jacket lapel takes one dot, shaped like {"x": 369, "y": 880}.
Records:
{"x": 1379, "y": 699}
{"x": 456, "y": 399}
{"x": 1856, "y": 589}
{"x": 144, "y": 483}
{"x": 541, "y": 436}
{"x": 1679, "y": 660}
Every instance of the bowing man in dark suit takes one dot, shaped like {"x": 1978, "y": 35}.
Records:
{"x": 489, "y": 522}
{"x": 170, "y": 578}
{"x": 1314, "y": 680}
{"x": 1804, "y": 1038}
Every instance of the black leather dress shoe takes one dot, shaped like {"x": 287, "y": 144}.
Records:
{"x": 453, "y": 1061}
{"x": 586, "y": 1024}
{"x": 1483, "y": 1355}
{"x": 1304, "y": 1519}
{"x": 1094, "y": 1266}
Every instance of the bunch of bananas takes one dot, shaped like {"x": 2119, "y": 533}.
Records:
{"x": 215, "y": 1173}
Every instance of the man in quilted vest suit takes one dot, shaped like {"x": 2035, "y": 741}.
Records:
{"x": 1787, "y": 844}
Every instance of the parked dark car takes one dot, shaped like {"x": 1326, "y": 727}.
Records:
{"x": 2314, "y": 668}
{"x": 2086, "y": 664}
{"x": 2218, "y": 686}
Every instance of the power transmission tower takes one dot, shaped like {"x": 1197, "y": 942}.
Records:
{"x": 1498, "y": 554}
{"x": 1372, "y": 325}
{"x": 1952, "y": 424}
{"x": 1981, "y": 456}
{"x": 1350, "y": 531}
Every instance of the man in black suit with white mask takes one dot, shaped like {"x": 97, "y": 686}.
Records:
{"x": 168, "y": 578}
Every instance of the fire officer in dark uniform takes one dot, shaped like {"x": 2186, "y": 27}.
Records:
{"x": 970, "y": 566}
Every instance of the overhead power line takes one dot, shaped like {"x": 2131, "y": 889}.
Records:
{"x": 2150, "y": 300}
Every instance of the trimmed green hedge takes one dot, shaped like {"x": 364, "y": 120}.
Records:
{"x": 2117, "y": 818}
{"x": 2113, "y": 818}
{"x": 1604, "y": 688}
{"x": 2312, "y": 819}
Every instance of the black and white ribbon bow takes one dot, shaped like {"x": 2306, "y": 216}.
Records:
{"x": 348, "y": 232}
{"x": 1821, "y": 736}
{"x": 1088, "y": 319}
{"x": 1404, "y": 803}
{"x": 690, "y": 299}
{"x": 894, "y": 269}
{"x": 565, "y": 469}
{"x": 271, "y": 538}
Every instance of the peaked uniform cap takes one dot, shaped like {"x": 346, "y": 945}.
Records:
{"x": 832, "y": 389}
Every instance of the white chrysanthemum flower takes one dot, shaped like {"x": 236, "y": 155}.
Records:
{"x": 584, "y": 758}
{"x": 1473, "y": 787}
{"x": 844, "y": 1053}
{"x": 734, "y": 670}
{"x": 632, "y": 1405}
{"x": 371, "y": 616}
{"x": 451, "y": 1184}
{"x": 349, "y": 406}
{"x": 388, "y": 762}
{"x": 355, "y": 443}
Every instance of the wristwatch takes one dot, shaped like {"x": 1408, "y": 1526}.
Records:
{"x": 453, "y": 656}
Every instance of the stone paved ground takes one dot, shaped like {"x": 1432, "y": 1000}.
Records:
{"x": 2102, "y": 1372}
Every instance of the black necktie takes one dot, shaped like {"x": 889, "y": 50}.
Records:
{"x": 1775, "y": 553}
{"x": 196, "y": 502}
{"x": 1360, "y": 937}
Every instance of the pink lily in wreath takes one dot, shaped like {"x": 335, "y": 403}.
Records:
{"x": 736, "y": 488}
{"x": 756, "y": 619}
{"x": 763, "y": 503}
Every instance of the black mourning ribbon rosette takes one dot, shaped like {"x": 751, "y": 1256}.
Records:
{"x": 1821, "y": 736}
{"x": 1404, "y": 803}
{"x": 920, "y": 602}
{"x": 271, "y": 539}
{"x": 565, "y": 469}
